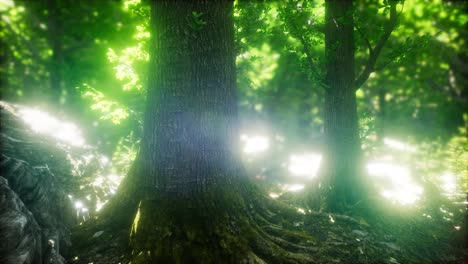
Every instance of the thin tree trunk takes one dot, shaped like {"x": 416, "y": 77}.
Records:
{"x": 381, "y": 116}
{"x": 54, "y": 38}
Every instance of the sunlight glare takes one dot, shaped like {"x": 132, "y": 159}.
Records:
{"x": 115, "y": 179}
{"x": 99, "y": 205}
{"x": 255, "y": 144}
{"x": 6, "y": 4}
{"x": 293, "y": 187}
{"x": 449, "y": 183}
{"x": 44, "y": 123}
{"x": 305, "y": 165}
{"x": 273, "y": 195}
{"x": 98, "y": 181}
{"x": 400, "y": 187}
{"x": 398, "y": 145}
{"x": 78, "y": 205}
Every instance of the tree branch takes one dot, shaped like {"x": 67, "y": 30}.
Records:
{"x": 375, "y": 52}
{"x": 366, "y": 40}
{"x": 311, "y": 63}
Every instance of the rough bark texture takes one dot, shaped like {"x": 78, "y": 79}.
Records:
{"x": 343, "y": 157}
{"x": 187, "y": 166}
{"x": 193, "y": 199}
{"x": 191, "y": 113}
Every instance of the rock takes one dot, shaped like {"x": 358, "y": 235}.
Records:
{"x": 20, "y": 233}
{"x": 36, "y": 171}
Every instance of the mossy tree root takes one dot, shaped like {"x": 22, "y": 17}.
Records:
{"x": 201, "y": 229}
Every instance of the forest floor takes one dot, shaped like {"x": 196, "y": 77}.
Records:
{"x": 382, "y": 238}
{"x": 388, "y": 235}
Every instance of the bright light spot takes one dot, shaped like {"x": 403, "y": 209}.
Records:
{"x": 98, "y": 181}
{"x": 399, "y": 185}
{"x": 274, "y": 195}
{"x": 300, "y": 210}
{"x": 403, "y": 196}
{"x": 78, "y": 205}
{"x": 449, "y": 183}
{"x": 331, "y": 218}
{"x": 258, "y": 107}
{"x": 398, "y": 145}
{"x": 99, "y": 205}
{"x": 84, "y": 210}
{"x": 115, "y": 179}
{"x": 255, "y": 144}
{"x": 457, "y": 227}
{"x": 293, "y": 187}
{"x": 6, "y": 4}
{"x": 104, "y": 160}
{"x": 306, "y": 165}
{"x": 88, "y": 158}
{"x": 44, "y": 123}
{"x": 443, "y": 210}
{"x": 396, "y": 173}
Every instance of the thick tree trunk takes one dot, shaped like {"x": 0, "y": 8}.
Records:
{"x": 187, "y": 169}
{"x": 343, "y": 155}
{"x": 187, "y": 191}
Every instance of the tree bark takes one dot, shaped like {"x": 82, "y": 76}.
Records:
{"x": 54, "y": 38}
{"x": 187, "y": 191}
{"x": 341, "y": 170}
{"x": 187, "y": 170}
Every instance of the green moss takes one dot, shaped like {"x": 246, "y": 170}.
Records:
{"x": 200, "y": 228}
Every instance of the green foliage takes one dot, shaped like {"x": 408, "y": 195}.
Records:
{"x": 303, "y": 21}
{"x": 110, "y": 110}
{"x": 125, "y": 153}
{"x": 24, "y": 55}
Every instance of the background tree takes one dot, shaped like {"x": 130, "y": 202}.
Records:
{"x": 342, "y": 170}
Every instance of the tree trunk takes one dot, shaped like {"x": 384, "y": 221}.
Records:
{"x": 381, "y": 115}
{"x": 54, "y": 38}
{"x": 187, "y": 191}
{"x": 187, "y": 172}
{"x": 341, "y": 170}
